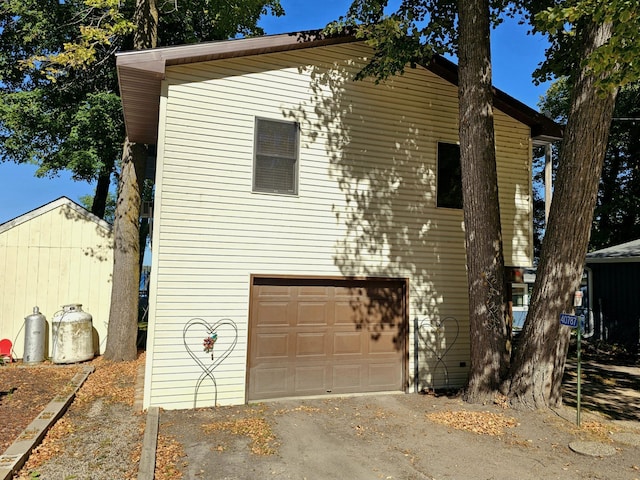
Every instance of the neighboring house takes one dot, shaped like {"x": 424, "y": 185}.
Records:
{"x": 319, "y": 215}
{"x": 55, "y": 255}
{"x": 616, "y": 294}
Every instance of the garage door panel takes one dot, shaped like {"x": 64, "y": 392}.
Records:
{"x": 347, "y": 343}
{"x": 383, "y": 343}
{"x": 382, "y": 376}
{"x": 272, "y": 346}
{"x": 347, "y": 314}
{"x": 314, "y": 291}
{"x": 310, "y": 380}
{"x": 314, "y": 336}
{"x": 272, "y": 313}
{"x": 349, "y": 292}
{"x": 270, "y": 381}
{"x": 312, "y": 313}
{"x": 311, "y": 345}
{"x": 347, "y": 378}
{"x": 270, "y": 291}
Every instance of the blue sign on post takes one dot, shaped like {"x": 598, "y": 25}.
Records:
{"x": 568, "y": 320}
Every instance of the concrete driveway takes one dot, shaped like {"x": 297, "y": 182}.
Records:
{"x": 393, "y": 437}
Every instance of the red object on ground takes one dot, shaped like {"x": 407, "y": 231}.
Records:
{"x": 5, "y": 349}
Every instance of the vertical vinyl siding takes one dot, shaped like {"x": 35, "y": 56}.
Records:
{"x": 56, "y": 258}
{"x": 365, "y": 207}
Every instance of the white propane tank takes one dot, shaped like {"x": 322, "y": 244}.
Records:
{"x": 35, "y": 331}
{"x": 72, "y": 335}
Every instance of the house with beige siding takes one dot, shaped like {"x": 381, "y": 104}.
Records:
{"x": 308, "y": 235}
{"x": 55, "y": 255}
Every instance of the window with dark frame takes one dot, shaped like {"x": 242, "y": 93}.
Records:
{"x": 275, "y": 167}
{"x": 449, "y": 176}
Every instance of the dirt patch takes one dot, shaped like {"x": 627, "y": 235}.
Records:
{"x": 25, "y": 391}
{"x": 100, "y": 435}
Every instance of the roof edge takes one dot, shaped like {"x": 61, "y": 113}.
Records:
{"x": 220, "y": 49}
{"x": 542, "y": 127}
{"x": 47, "y": 207}
{"x": 140, "y": 73}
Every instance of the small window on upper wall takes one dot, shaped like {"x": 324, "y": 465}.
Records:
{"x": 275, "y": 166}
{"x": 449, "y": 176}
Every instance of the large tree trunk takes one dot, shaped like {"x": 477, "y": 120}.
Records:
{"x": 536, "y": 377}
{"x": 102, "y": 192}
{"x": 488, "y": 314}
{"x": 123, "y": 316}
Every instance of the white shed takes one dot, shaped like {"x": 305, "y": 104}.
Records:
{"x": 55, "y": 255}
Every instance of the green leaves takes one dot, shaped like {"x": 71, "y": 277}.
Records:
{"x": 59, "y": 106}
{"x": 614, "y": 63}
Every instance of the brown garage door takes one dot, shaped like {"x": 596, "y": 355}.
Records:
{"x": 314, "y": 337}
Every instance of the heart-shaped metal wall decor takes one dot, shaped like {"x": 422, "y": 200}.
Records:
{"x": 207, "y": 356}
{"x": 441, "y": 330}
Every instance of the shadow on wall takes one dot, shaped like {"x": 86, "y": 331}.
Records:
{"x": 382, "y": 157}
{"x": 101, "y": 251}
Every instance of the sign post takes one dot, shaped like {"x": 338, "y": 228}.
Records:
{"x": 579, "y": 375}
{"x": 577, "y": 302}
{"x": 572, "y": 321}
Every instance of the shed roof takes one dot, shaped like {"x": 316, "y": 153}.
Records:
{"x": 625, "y": 252}
{"x": 62, "y": 201}
{"x": 140, "y": 74}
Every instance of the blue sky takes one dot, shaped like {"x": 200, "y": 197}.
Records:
{"x": 514, "y": 53}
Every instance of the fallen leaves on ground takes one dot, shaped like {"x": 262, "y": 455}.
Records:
{"x": 593, "y": 430}
{"x": 256, "y": 428}
{"x": 168, "y": 454}
{"x": 301, "y": 408}
{"x": 113, "y": 381}
{"x": 25, "y": 391}
{"x": 483, "y": 423}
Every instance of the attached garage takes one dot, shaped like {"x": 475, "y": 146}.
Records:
{"x": 326, "y": 336}
{"x": 310, "y": 220}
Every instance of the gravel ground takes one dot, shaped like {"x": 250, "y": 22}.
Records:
{"x": 99, "y": 437}
{"x": 99, "y": 446}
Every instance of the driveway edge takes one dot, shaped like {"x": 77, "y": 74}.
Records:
{"x": 149, "y": 443}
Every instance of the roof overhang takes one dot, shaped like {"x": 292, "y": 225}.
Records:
{"x": 140, "y": 75}
{"x": 623, "y": 253}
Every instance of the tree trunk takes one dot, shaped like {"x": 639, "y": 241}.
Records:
{"x": 536, "y": 377}
{"x": 102, "y": 192}
{"x": 488, "y": 312}
{"x": 123, "y": 316}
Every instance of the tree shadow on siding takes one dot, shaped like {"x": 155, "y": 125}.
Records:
{"x": 380, "y": 144}
{"x": 101, "y": 251}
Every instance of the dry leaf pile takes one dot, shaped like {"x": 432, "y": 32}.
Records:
{"x": 301, "y": 408}
{"x": 263, "y": 441}
{"x": 595, "y": 431}
{"x": 114, "y": 382}
{"x": 168, "y": 454}
{"x": 482, "y": 423}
